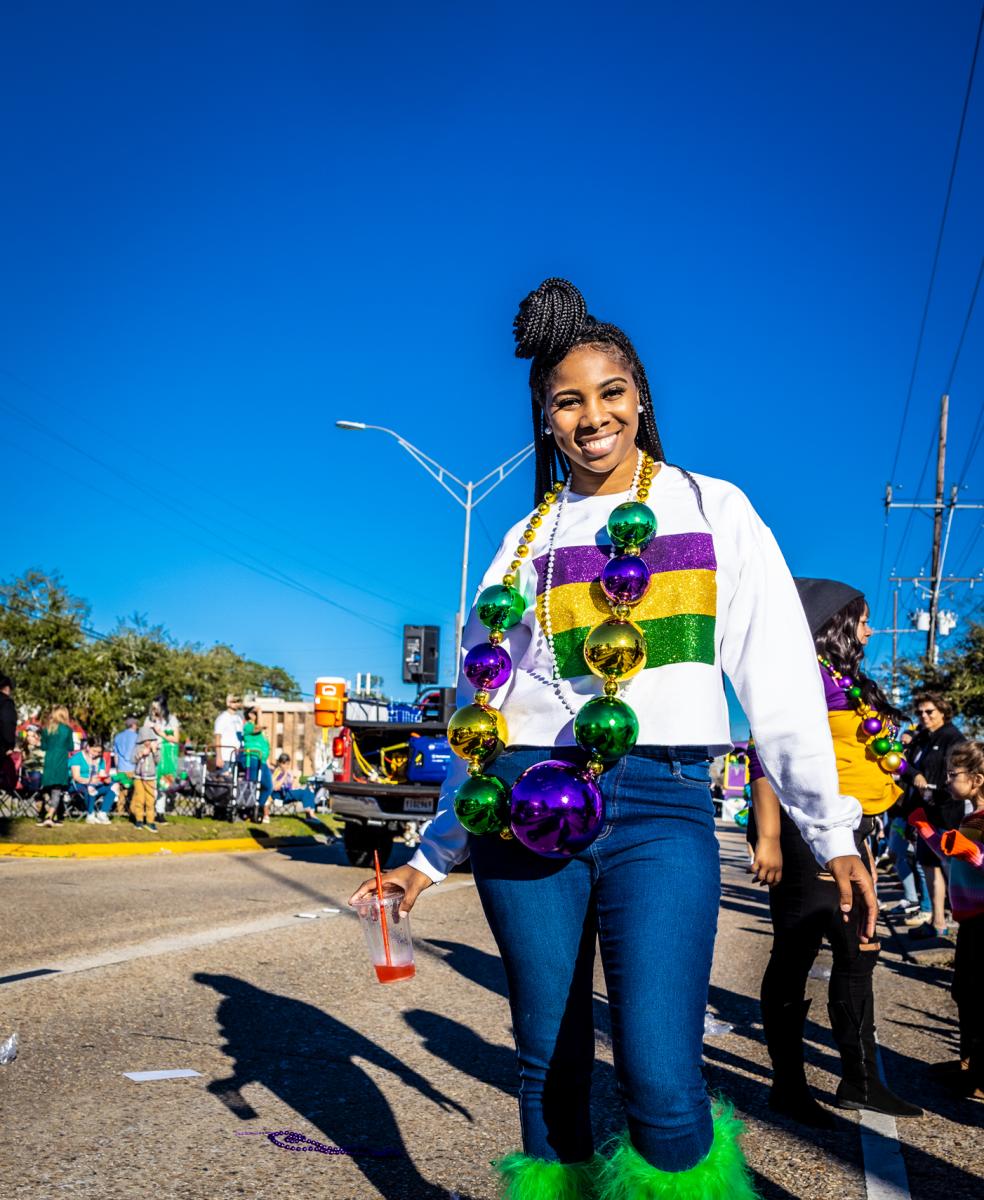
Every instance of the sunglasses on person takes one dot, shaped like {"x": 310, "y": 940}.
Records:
{"x": 925, "y": 712}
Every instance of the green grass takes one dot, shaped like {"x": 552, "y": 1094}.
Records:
{"x": 177, "y": 829}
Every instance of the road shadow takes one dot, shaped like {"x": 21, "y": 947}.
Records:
{"x": 477, "y": 965}
{"x": 308, "y": 1060}
{"x": 466, "y": 1051}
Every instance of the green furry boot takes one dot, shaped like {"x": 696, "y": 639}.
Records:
{"x": 723, "y": 1175}
{"x": 522, "y": 1177}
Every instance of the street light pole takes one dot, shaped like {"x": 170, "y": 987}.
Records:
{"x": 468, "y": 501}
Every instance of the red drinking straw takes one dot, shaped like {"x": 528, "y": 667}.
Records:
{"x": 382, "y": 910}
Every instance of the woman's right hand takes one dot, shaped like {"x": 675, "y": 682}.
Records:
{"x": 406, "y": 877}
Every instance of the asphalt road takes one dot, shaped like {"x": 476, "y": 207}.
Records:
{"x": 201, "y": 963}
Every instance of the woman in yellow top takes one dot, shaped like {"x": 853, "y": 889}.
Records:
{"x": 803, "y": 898}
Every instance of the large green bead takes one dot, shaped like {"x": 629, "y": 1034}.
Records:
{"x": 606, "y": 727}
{"x": 615, "y": 650}
{"x": 854, "y": 693}
{"x": 898, "y": 748}
{"x": 477, "y": 732}
{"x": 500, "y": 607}
{"x": 631, "y": 524}
{"x": 881, "y": 745}
{"x": 482, "y": 804}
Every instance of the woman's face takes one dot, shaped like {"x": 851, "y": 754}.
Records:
{"x": 864, "y": 629}
{"x": 592, "y": 407}
{"x": 929, "y": 715}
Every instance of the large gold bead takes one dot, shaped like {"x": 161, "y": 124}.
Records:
{"x": 543, "y": 509}
{"x": 536, "y": 520}
{"x": 615, "y": 649}
{"x": 478, "y": 733}
{"x": 522, "y": 551}
{"x": 529, "y": 535}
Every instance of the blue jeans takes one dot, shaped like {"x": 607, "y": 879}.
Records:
{"x": 104, "y": 792}
{"x": 256, "y": 768}
{"x": 647, "y": 888}
{"x": 906, "y": 871}
{"x": 294, "y": 795}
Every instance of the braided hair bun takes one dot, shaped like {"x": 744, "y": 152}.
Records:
{"x": 549, "y": 321}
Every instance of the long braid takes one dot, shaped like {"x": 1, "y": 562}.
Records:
{"x": 551, "y": 321}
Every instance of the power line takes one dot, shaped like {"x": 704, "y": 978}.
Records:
{"x": 265, "y": 569}
{"x": 966, "y": 324}
{"x": 939, "y": 244}
{"x": 194, "y": 484}
{"x": 972, "y": 445}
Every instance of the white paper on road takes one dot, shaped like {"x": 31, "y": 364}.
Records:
{"x": 146, "y": 1076}
{"x": 307, "y": 916}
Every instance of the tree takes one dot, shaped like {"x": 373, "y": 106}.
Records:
{"x": 54, "y": 657}
{"x": 959, "y": 676}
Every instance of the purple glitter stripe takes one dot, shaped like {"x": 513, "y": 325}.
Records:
{"x": 671, "y": 552}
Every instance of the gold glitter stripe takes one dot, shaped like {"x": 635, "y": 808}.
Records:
{"x": 670, "y": 594}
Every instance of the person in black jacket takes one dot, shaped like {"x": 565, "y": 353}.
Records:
{"x": 927, "y": 789}
{"x": 8, "y": 736}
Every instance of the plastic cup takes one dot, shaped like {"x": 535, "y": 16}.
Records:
{"x": 400, "y": 963}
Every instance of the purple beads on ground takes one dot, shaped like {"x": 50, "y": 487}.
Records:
{"x": 624, "y": 579}
{"x": 873, "y": 725}
{"x": 487, "y": 666}
{"x": 557, "y": 809}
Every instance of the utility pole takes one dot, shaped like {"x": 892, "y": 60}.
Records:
{"x": 934, "y": 600}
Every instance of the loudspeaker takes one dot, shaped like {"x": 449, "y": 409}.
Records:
{"x": 420, "y": 653}
{"x": 438, "y": 705}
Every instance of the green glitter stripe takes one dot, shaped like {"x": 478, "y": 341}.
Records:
{"x": 688, "y": 637}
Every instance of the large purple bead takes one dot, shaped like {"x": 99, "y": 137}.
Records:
{"x": 624, "y": 579}
{"x": 557, "y": 809}
{"x": 872, "y": 725}
{"x": 487, "y": 666}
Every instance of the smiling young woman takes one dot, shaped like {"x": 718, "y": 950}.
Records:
{"x": 596, "y": 646}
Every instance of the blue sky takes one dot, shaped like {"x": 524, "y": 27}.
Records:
{"x": 230, "y": 225}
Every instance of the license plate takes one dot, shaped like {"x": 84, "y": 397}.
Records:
{"x": 418, "y": 806}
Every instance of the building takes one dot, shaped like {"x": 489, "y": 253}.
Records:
{"x": 290, "y": 728}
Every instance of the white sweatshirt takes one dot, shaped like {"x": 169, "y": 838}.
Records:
{"x": 721, "y": 599}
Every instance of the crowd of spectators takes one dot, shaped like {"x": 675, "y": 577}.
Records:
{"x": 146, "y": 767}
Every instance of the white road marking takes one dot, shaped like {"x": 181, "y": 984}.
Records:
{"x": 146, "y": 1076}
{"x": 174, "y": 944}
{"x": 885, "y": 1176}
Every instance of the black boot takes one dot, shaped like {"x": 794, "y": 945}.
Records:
{"x": 790, "y": 1095}
{"x": 853, "y": 1027}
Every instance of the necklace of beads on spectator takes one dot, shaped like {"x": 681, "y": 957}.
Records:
{"x": 878, "y": 733}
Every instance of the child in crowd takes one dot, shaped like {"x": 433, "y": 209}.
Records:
{"x": 962, "y": 853}
{"x": 284, "y": 789}
{"x": 146, "y": 760}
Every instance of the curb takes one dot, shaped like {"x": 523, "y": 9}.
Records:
{"x": 127, "y": 849}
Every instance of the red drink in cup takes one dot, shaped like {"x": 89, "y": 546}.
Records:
{"x": 387, "y": 934}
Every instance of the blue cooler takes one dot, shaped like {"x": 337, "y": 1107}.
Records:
{"x": 429, "y": 759}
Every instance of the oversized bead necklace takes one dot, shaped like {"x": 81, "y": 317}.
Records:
{"x": 556, "y": 808}
{"x": 879, "y": 734}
